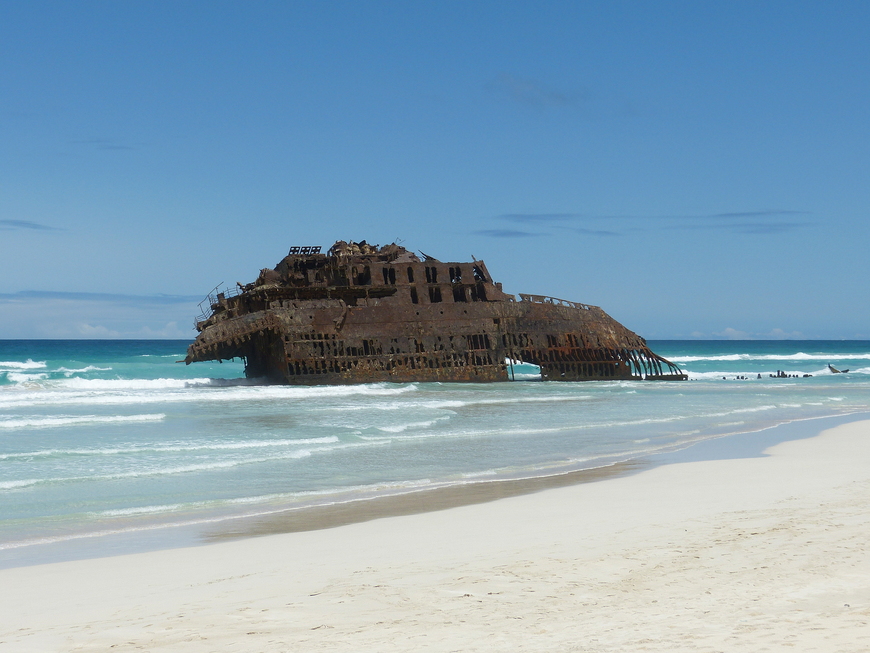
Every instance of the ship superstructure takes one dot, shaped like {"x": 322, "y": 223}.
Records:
{"x": 362, "y": 313}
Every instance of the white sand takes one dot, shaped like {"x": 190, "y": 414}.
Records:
{"x": 762, "y": 554}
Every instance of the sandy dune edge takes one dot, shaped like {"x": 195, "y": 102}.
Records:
{"x": 735, "y": 555}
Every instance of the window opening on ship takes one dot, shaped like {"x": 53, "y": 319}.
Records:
{"x": 414, "y": 298}
{"x": 434, "y": 294}
{"x": 478, "y": 274}
{"x": 410, "y": 275}
{"x": 519, "y": 370}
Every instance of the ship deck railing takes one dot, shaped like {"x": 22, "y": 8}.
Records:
{"x": 206, "y": 306}
{"x": 544, "y": 299}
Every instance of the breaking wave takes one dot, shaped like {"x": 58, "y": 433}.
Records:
{"x": 26, "y": 365}
{"x": 799, "y": 356}
{"x": 73, "y": 420}
{"x": 176, "y": 448}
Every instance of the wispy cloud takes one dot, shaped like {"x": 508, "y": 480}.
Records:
{"x": 577, "y": 100}
{"x": 593, "y": 232}
{"x": 51, "y": 314}
{"x": 506, "y": 233}
{"x": 561, "y": 217}
{"x": 10, "y": 225}
{"x": 104, "y": 144}
{"x": 534, "y": 93}
{"x": 766, "y": 222}
{"x": 30, "y": 295}
{"x": 730, "y": 333}
{"x": 86, "y": 330}
{"x": 756, "y": 214}
{"x": 540, "y": 217}
{"x": 98, "y": 331}
{"x": 762, "y": 228}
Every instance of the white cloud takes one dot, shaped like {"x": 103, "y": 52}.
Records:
{"x": 732, "y": 334}
{"x": 779, "y": 334}
{"x": 171, "y": 331}
{"x": 99, "y": 331}
{"x": 69, "y": 315}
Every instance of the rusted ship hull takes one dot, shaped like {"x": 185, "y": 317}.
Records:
{"x": 411, "y": 327}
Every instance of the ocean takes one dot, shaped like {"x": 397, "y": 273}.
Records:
{"x": 111, "y": 446}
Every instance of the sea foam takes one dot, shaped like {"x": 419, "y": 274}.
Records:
{"x": 799, "y": 356}
{"x": 73, "y": 420}
{"x": 26, "y": 365}
{"x": 160, "y": 444}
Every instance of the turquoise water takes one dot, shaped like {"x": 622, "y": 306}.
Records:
{"x": 103, "y": 437}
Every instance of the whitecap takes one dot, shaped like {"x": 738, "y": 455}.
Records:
{"x": 799, "y": 356}
{"x": 400, "y": 428}
{"x": 90, "y": 368}
{"x": 144, "y": 510}
{"x": 183, "y": 469}
{"x": 23, "y": 378}
{"x": 126, "y": 384}
{"x": 29, "y": 364}
{"x": 14, "y": 485}
{"x": 72, "y": 420}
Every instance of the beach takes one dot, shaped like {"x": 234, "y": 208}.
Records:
{"x": 111, "y": 447}
{"x": 758, "y": 553}
{"x": 434, "y": 327}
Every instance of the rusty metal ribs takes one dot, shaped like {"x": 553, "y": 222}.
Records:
{"x": 364, "y": 313}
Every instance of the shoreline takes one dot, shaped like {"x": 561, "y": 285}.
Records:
{"x": 750, "y": 444}
{"x": 319, "y": 517}
{"x": 732, "y": 554}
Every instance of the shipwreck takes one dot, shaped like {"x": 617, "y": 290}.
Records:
{"x": 361, "y": 313}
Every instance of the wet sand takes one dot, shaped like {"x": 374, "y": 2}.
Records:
{"x": 310, "y": 518}
{"x": 729, "y": 554}
{"x": 411, "y": 503}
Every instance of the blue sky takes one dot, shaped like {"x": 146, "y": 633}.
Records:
{"x": 697, "y": 169}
